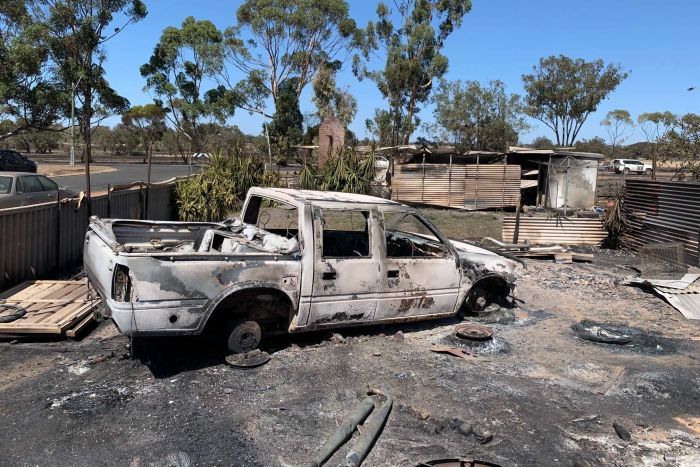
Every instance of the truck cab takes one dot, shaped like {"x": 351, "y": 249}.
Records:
{"x": 295, "y": 260}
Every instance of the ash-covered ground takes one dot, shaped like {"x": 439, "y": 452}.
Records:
{"x": 535, "y": 388}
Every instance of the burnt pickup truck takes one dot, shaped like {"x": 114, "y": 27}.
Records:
{"x": 295, "y": 260}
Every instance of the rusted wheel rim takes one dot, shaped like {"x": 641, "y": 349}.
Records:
{"x": 244, "y": 337}
{"x": 474, "y": 332}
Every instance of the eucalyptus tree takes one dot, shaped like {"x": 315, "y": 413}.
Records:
{"x": 562, "y": 92}
{"x": 655, "y": 126}
{"x": 276, "y": 40}
{"x": 29, "y": 92}
{"x": 77, "y": 33}
{"x": 476, "y": 117}
{"x": 147, "y": 123}
{"x": 330, "y": 100}
{"x": 619, "y": 126}
{"x": 181, "y": 74}
{"x": 411, "y": 38}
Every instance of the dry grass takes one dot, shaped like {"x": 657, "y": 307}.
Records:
{"x": 463, "y": 225}
{"x": 57, "y": 170}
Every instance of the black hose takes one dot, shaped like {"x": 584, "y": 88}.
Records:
{"x": 15, "y": 313}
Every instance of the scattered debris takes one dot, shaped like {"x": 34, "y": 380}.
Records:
{"x": 456, "y": 351}
{"x": 177, "y": 459}
{"x": 622, "y": 432}
{"x": 466, "y": 429}
{"x": 617, "y": 374}
{"x": 625, "y": 337}
{"x": 683, "y": 294}
{"x": 601, "y": 333}
{"x": 590, "y": 418}
{"x": 338, "y": 339}
{"x": 495, "y": 314}
{"x": 474, "y": 332}
{"x": 457, "y": 463}
{"x": 483, "y": 437}
{"x": 251, "y": 359}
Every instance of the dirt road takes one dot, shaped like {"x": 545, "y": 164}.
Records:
{"x": 535, "y": 389}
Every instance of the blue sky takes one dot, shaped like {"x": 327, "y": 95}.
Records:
{"x": 656, "y": 40}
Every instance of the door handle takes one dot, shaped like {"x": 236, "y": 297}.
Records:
{"x": 329, "y": 276}
{"x": 392, "y": 274}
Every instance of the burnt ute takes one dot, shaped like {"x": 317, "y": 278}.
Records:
{"x": 295, "y": 260}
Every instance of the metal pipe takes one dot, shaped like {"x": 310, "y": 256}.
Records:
{"x": 340, "y": 436}
{"x": 371, "y": 432}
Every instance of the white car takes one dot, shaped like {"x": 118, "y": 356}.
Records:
{"x": 628, "y": 166}
{"x": 296, "y": 260}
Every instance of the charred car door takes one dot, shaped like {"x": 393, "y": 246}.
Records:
{"x": 346, "y": 265}
{"x": 420, "y": 274}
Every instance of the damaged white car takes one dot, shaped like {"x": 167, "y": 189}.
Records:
{"x": 296, "y": 260}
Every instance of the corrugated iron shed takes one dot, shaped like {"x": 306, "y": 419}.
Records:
{"x": 463, "y": 186}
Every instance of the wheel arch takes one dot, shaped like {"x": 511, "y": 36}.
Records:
{"x": 494, "y": 284}
{"x": 244, "y": 288}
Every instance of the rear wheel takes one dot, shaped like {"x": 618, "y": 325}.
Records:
{"x": 244, "y": 336}
{"x": 626, "y": 171}
{"x": 647, "y": 171}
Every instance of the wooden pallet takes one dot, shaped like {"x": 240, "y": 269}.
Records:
{"x": 53, "y": 307}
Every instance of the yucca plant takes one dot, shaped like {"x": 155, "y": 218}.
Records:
{"x": 307, "y": 178}
{"x": 219, "y": 189}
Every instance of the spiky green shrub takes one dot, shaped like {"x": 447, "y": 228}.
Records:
{"x": 345, "y": 170}
{"x": 220, "y": 187}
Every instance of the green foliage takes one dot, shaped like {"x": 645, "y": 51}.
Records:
{"x": 682, "y": 146}
{"x": 381, "y": 128}
{"x": 183, "y": 61}
{"x": 619, "y": 126}
{"x": 595, "y": 144}
{"x": 562, "y": 92}
{"x": 413, "y": 59}
{"x": 30, "y": 93}
{"x": 220, "y": 188}
{"x": 147, "y": 123}
{"x": 286, "y": 128}
{"x": 475, "y": 117}
{"x": 274, "y": 40}
{"x": 345, "y": 170}
{"x": 77, "y": 33}
{"x": 542, "y": 142}
{"x": 655, "y": 125}
{"x": 330, "y": 100}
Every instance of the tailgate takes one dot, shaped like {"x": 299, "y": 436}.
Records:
{"x": 98, "y": 262}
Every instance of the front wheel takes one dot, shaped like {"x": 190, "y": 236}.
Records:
{"x": 648, "y": 172}
{"x": 244, "y": 336}
{"x": 626, "y": 171}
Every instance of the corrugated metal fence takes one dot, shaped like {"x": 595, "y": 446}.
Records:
{"x": 664, "y": 212}
{"x": 470, "y": 186}
{"x": 555, "y": 230}
{"x": 44, "y": 240}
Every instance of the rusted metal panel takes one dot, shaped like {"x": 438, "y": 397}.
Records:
{"x": 664, "y": 212}
{"x": 470, "y": 186}
{"x": 42, "y": 240}
{"x": 561, "y": 230}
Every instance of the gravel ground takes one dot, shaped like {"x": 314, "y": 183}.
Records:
{"x": 535, "y": 388}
